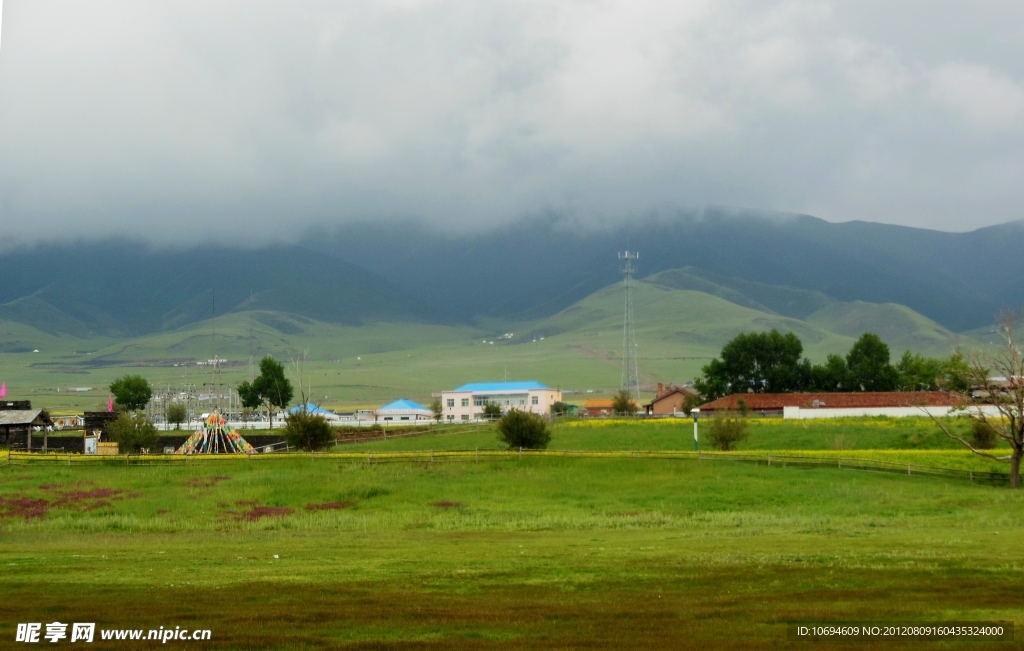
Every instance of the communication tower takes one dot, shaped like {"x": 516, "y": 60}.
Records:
{"x": 630, "y": 369}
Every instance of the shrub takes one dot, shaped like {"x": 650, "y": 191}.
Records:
{"x": 307, "y": 431}
{"x": 133, "y": 431}
{"x": 521, "y": 429}
{"x": 984, "y": 435}
{"x": 561, "y": 409}
{"x": 492, "y": 411}
{"x": 725, "y": 433}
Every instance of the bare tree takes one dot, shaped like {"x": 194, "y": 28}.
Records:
{"x": 995, "y": 397}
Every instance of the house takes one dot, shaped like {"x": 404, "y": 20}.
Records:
{"x": 403, "y": 411}
{"x": 669, "y": 400}
{"x": 468, "y": 401}
{"x": 314, "y": 410}
{"x": 837, "y": 405}
{"x": 596, "y": 407}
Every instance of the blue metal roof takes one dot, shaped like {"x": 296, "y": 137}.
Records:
{"x": 310, "y": 409}
{"x": 497, "y": 387}
{"x": 403, "y": 405}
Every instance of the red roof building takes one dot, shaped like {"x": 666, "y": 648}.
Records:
{"x": 777, "y": 402}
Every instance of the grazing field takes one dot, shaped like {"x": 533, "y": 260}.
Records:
{"x": 541, "y": 553}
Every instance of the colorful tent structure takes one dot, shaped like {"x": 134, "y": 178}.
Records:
{"x": 215, "y": 438}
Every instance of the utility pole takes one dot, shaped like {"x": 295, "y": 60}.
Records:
{"x": 630, "y": 368}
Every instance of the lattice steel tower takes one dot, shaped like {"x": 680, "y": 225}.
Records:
{"x": 630, "y": 370}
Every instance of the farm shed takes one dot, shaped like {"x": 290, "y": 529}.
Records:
{"x": 15, "y": 421}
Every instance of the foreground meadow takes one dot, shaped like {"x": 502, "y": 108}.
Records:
{"x": 301, "y": 553}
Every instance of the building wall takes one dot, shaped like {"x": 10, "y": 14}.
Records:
{"x": 460, "y": 406}
{"x": 669, "y": 404}
{"x": 894, "y": 412}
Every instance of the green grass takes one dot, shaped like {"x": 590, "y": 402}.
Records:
{"x": 540, "y": 553}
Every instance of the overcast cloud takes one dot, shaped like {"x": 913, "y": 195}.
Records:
{"x": 188, "y": 120}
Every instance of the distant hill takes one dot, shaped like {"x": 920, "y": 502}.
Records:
{"x": 537, "y": 267}
{"x": 125, "y": 289}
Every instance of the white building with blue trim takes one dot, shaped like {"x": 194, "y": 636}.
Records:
{"x": 402, "y": 412}
{"x": 468, "y": 401}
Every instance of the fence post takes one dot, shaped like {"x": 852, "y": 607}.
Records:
{"x": 769, "y": 461}
{"x": 476, "y": 456}
{"x": 840, "y": 462}
{"x": 520, "y": 453}
{"x": 908, "y": 468}
{"x": 972, "y": 475}
{"x": 431, "y": 457}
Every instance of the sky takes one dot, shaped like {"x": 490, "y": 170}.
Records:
{"x": 186, "y": 121}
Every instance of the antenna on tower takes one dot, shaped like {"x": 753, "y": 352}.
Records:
{"x": 630, "y": 369}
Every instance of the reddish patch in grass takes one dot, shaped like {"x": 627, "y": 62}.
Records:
{"x": 47, "y": 487}
{"x": 162, "y": 511}
{"x": 259, "y": 512}
{"x": 247, "y": 503}
{"x": 446, "y": 504}
{"x": 25, "y": 506}
{"x": 207, "y": 481}
{"x": 330, "y": 506}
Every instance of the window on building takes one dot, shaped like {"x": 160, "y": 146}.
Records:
{"x": 451, "y": 417}
{"x": 536, "y": 400}
{"x": 465, "y": 416}
{"x": 387, "y": 418}
{"x": 405, "y": 418}
{"x": 465, "y": 402}
{"x": 451, "y": 402}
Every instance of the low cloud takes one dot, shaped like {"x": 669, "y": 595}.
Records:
{"x": 254, "y": 120}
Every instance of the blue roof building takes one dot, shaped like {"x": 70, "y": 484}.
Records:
{"x": 467, "y": 402}
{"x": 403, "y": 411}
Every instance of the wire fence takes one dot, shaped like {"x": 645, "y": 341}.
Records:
{"x": 475, "y": 456}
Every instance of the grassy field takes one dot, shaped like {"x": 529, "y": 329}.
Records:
{"x": 302, "y": 553}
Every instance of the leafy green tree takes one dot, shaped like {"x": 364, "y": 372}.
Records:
{"x": 761, "y": 362}
{"x": 956, "y": 373}
{"x": 437, "y": 408}
{"x": 131, "y": 392}
{"x": 561, "y": 409}
{"x": 307, "y": 431}
{"x": 623, "y": 405}
{"x": 830, "y": 376}
{"x": 725, "y": 432}
{"x": 521, "y": 429}
{"x": 177, "y": 414}
{"x": 869, "y": 367}
{"x": 919, "y": 373}
{"x": 132, "y": 431}
{"x": 271, "y": 388}
{"x": 492, "y": 411}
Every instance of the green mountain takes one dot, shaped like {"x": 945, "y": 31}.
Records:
{"x": 897, "y": 325}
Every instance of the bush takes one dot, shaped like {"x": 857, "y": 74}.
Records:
{"x": 307, "y": 431}
{"x": 132, "y": 431}
{"x": 561, "y": 409}
{"x": 725, "y": 433}
{"x": 521, "y": 429}
{"x": 492, "y": 411}
{"x": 984, "y": 435}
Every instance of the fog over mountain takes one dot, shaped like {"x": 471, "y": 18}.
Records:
{"x": 247, "y": 122}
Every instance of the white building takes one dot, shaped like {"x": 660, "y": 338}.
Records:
{"x": 402, "y": 412}
{"x": 468, "y": 401}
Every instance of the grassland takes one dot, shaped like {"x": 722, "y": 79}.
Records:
{"x": 539, "y": 553}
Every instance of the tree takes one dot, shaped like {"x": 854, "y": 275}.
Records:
{"x": 994, "y": 399}
{"x": 437, "y": 409}
{"x": 561, "y": 409}
{"x": 521, "y": 429}
{"x": 830, "y": 376}
{"x": 623, "y": 405}
{"x": 131, "y": 392}
{"x": 177, "y": 414}
{"x": 492, "y": 411}
{"x": 868, "y": 365}
{"x": 307, "y": 431}
{"x": 725, "y": 432}
{"x": 133, "y": 431}
{"x": 918, "y": 373}
{"x": 761, "y": 362}
{"x": 690, "y": 402}
{"x": 271, "y": 388}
